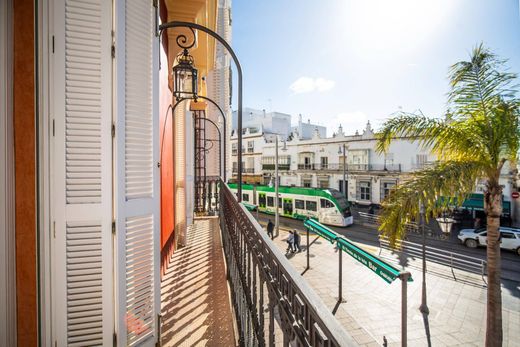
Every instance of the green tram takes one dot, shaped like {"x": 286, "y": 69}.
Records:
{"x": 328, "y": 206}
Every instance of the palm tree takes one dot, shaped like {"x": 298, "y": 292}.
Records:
{"x": 478, "y": 136}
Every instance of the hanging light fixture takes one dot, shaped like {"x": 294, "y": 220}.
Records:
{"x": 185, "y": 77}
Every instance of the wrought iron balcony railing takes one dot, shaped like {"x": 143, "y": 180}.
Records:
{"x": 307, "y": 166}
{"x": 271, "y": 167}
{"x": 248, "y": 170}
{"x": 351, "y": 167}
{"x": 262, "y": 278}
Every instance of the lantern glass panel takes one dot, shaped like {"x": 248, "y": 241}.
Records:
{"x": 185, "y": 82}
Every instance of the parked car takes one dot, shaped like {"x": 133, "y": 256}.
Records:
{"x": 509, "y": 238}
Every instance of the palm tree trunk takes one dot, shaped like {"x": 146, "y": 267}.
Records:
{"x": 493, "y": 206}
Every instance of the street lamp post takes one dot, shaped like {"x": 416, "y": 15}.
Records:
{"x": 276, "y": 190}
{"x": 277, "y": 186}
{"x": 344, "y": 151}
{"x": 424, "y": 306}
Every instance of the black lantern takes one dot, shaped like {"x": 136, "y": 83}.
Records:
{"x": 184, "y": 77}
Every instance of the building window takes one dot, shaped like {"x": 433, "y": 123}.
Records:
{"x": 234, "y": 149}
{"x": 324, "y": 161}
{"x": 307, "y": 182}
{"x": 421, "y": 160}
{"x": 386, "y": 188}
{"x": 311, "y": 205}
{"x": 323, "y": 183}
{"x": 299, "y": 204}
{"x": 270, "y": 201}
{"x": 250, "y": 146}
{"x": 364, "y": 190}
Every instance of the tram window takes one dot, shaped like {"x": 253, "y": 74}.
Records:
{"x": 270, "y": 201}
{"x": 311, "y": 205}
{"x": 245, "y": 197}
{"x": 261, "y": 200}
{"x": 279, "y": 202}
{"x": 326, "y": 203}
{"x": 299, "y": 204}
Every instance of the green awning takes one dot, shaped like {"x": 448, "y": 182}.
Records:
{"x": 476, "y": 202}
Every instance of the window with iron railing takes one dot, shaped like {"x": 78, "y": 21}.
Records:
{"x": 324, "y": 161}
{"x": 284, "y": 162}
{"x": 364, "y": 190}
{"x": 386, "y": 188}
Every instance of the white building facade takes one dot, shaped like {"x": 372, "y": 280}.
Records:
{"x": 319, "y": 162}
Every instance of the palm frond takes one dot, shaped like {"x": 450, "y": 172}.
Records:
{"x": 477, "y": 84}
{"x": 446, "y": 183}
{"x": 448, "y": 139}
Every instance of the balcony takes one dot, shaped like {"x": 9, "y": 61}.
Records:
{"x": 271, "y": 167}
{"x": 307, "y": 166}
{"x": 245, "y": 170}
{"x": 268, "y": 302}
{"x": 351, "y": 167}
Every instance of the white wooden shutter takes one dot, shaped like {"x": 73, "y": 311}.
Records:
{"x": 82, "y": 290}
{"x": 137, "y": 184}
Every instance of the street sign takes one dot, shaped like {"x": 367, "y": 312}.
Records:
{"x": 515, "y": 195}
{"x": 321, "y": 230}
{"x": 384, "y": 270}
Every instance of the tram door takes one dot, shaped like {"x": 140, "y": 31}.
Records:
{"x": 261, "y": 200}
{"x": 288, "y": 207}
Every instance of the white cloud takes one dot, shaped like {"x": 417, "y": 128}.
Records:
{"x": 306, "y": 84}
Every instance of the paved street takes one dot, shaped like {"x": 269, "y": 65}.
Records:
{"x": 369, "y": 236}
{"x": 372, "y": 307}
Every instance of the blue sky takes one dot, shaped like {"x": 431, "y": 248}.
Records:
{"x": 349, "y": 61}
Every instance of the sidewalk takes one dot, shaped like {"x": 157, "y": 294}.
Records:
{"x": 373, "y": 307}
{"x": 195, "y": 304}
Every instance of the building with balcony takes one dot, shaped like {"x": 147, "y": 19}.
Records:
{"x": 259, "y": 129}
{"x": 319, "y": 162}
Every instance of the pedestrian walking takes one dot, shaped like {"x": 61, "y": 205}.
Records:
{"x": 290, "y": 242}
{"x": 297, "y": 239}
{"x": 371, "y": 209}
{"x": 270, "y": 228}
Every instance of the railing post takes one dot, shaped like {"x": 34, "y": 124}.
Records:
{"x": 308, "y": 252}
{"x": 271, "y": 320}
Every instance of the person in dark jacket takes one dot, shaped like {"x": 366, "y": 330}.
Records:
{"x": 297, "y": 239}
{"x": 270, "y": 228}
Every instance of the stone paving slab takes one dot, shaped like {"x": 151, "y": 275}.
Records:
{"x": 195, "y": 304}
{"x": 372, "y": 308}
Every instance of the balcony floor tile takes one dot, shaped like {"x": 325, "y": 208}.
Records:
{"x": 195, "y": 301}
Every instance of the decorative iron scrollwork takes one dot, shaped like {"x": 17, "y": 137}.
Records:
{"x": 182, "y": 40}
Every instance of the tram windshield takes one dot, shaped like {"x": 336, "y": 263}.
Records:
{"x": 342, "y": 202}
